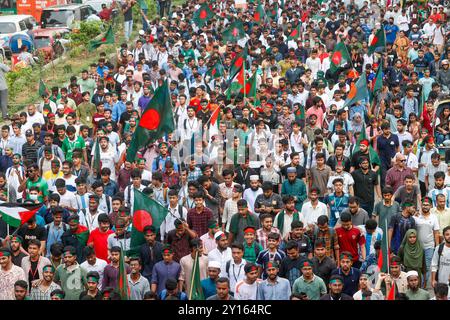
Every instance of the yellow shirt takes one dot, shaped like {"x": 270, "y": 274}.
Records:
{"x": 50, "y": 177}
{"x": 443, "y": 218}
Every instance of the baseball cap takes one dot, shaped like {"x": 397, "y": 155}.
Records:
{"x": 29, "y": 133}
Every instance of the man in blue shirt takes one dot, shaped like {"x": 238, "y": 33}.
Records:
{"x": 120, "y": 106}
{"x": 274, "y": 287}
{"x": 209, "y": 284}
{"x": 391, "y": 31}
{"x": 337, "y": 201}
{"x": 348, "y": 273}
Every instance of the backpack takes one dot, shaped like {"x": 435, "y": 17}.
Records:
{"x": 440, "y": 250}
{"x": 311, "y": 155}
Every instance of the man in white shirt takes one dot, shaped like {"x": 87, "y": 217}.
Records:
{"x": 411, "y": 159}
{"x": 135, "y": 185}
{"x": 313, "y": 63}
{"x": 67, "y": 198}
{"x": 246, "y": 288}
{"x": 234, "y": 268}
{"x": 222, "y": 253}
{"x": 189, "y": 125}
{"x": 34, "y": 116}
{"x": 93, "y": 263}
{"x": 313, "y": 209}
{"x": 176, "y": 211}
{"x": 250, "y": 194}
{"x": 89, "y": 217}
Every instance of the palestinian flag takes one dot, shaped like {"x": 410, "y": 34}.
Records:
{"x": 234, "y": 32}
{"x": 17, "y": 214}
{"x": 202, "y": 15}
{"x": 378, "y": 41}
{"x": 215, "y": 116}
{"x": 383, "y": 257}
{"x": 97, "y": 163}
{"x": 122, "y": 284}
{"x": 391, "y": 294}
{"x": 42, "y": 88}
{"x": 295, "y": 34}
{"x": 82, "y": 234}
{"x": 146, "y": 212}
{"x": 358, "y": 91}
{"x": 156, "y": 122}
{"x": 216, "y": 71}
{"x": 339, "y": 57}
{"x": 237, "y": 64}
{"x": 373, "y": 155}
{"x": 260, "y": 15}
{"x": 108, "y": 38}
{"x": 196, "y": 291}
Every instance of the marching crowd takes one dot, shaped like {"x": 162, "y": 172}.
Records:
{"x": 286, "y": 194}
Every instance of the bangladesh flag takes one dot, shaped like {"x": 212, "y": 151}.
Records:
{"x": 234, "y": 32}
{"x": 300, "y": 113}
{"x": 273, "y": 13}
{"x": 295, "y": 34}
{"x": 216, "y": 71}
{"x": 358, "y": 91}
{"x": 391, "y": 294}
{"x": 97, "y": 163}
{"x": 42, "y": 88}
{"x": 82, "y": 234}
{"x": 373, "y": 155}
{"x": 146, "y": 212}
{"x": 383, "y": 257}
{"x": 339, "y": 57}
{"x": 249, "y": 88}
{"x": 122, "y": 285}
{"x": 202, "y": 15}
{"x": 378, "y": 41}
{"x": 377, "y": 83}
{"x": 260, "y": 15}
{"x": 421, "y": 104}
{"x": 156, "y": 122}
{"x": 196, "y": 291}
{"x": 237, "y": 63}
{"x": 17, "y": 214}
{"x": 108, "y": 38}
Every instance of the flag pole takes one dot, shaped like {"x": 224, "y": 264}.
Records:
{"x": 243, "y": 66}
{"x": 193, "y": 275}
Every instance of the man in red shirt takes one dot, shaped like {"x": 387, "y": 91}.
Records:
{"x": 106, "y": 13}
{"x": 350, "y": 238}
{"x": 98, "y": 239}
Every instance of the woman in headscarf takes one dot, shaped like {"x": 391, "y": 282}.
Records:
{"x": 412, "y": 254}
{"x": 357, "y": 123}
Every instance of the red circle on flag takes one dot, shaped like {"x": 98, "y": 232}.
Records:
{"x": 141, "y": 219}
{"x": 235, "y": 32}
{"x": 337, "y": 57}
{"x": 374, "y": 41}
{"x": 352, "y": 92}
{"x": 257, "y": 16}
{"x": 294, "y": 33}
{"x": 203, "y": 14}
{"x": 150, "y": 119}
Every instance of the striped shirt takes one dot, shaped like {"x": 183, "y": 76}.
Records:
{"x": 38, "y": 294}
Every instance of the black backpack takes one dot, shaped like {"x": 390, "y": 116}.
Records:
{"x": 440, "y": 250}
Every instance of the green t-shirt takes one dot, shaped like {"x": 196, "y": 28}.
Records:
{"x": 420, "y": 294}
{"x": 87, "y": 85}
{"x": 41, "y": 184}
{"x": 68, "y": 146}
{"x": 250, "y": 252}
{"x": 72, "y": 282}
{"x": 313, "y": 289}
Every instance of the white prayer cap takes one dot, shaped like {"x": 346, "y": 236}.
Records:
{"x": 412, "y": 273}
{"x": 218, "y": 235}
{"x": 214, "y": 264}
{"x": 254, "y": 177}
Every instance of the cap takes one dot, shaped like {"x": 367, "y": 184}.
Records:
{"x": 214, "y": 264}
{"x": 219, "y": 235}
{"x": 60, "y": 106}
{"x": 412, "y": 273}
{"x": 307, "y": 263}
{"x": 291, "y": 170}
{"x": 29, "y": 133}
{"x": 254, "y": 177}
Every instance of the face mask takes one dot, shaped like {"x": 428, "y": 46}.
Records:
{"x": 33, "y": 196}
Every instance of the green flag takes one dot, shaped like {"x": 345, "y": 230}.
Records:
{"x": 358, "y": 91}
{"x": 42, "y": 88}
{"x": 295, "y": 34}
{"x": 146, "y": 212}
{"x": 216, "y": 71}
{"x": 273, "y": 13}
{"x": 421, "y": 103}
{"x": 196, "y": 291}
{"x": 378, "y": 41}
{"x": 377, "y": 83}
{"x": 300, "y": 113}
{"x": 260, "y": 15}
{"x": 234, "y": 32}
{"x": 339, "y": 57}
{"x": 122, "y": 285}
{"x": 202, "y": 15}
{"x": 237, "y": 64}
{"x": 108, "y": 38}
{"x": 383, "y": 257}
{"x": 156, "y": 121}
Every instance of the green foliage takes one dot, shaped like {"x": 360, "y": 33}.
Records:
{"x": 86, "y": 32}
{"x": 16, "y": 80}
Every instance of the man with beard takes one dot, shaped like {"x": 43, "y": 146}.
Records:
{"x": 17, "y": 252}
{"x": 414, "y": 292}
{"x": 295, "y": 187}
{"x": 336, "y": 285}
{"x": 111, "y": 271}
{"x": 274, "y": 287}
{"x": 41, "y": 289}
{"x": 70, "y": 276}
{"x": 322, "y": 264}
{"x": 362, "y": 152}
{"x": 366, "y": 183}
{"x": 34, "y": 180}
{"x": 246, "y": 289}
{"x": 93, "y": 292}
{"x": 222, "y": 289}
{"x": 72, "y": 237}
{"x": 251, "y": 193}
{"x": 349, "y": 274}
{"x": 295, "y": 163}
{"x": 310, "y": 284}
{"x": 290, "y": 266}
{"x": 9, "y": 274}
{"x": 209, "y": 284}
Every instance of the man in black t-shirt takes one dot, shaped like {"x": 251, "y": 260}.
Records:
{"x": 17, "y": 251}
{"x": 30, "y": 231}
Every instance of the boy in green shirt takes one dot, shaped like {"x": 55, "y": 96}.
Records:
{"x": 251, "y": 246}
{"x": 71, "y": 143}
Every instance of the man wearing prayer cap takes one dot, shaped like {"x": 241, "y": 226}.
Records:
{"x": 252, "y": 192}
{"x": 209, "y": 284}
{"x": 414, "y": 292}
{"x": 222, "y": 253}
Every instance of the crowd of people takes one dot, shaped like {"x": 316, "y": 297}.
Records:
{"x": 288, "y": 194}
